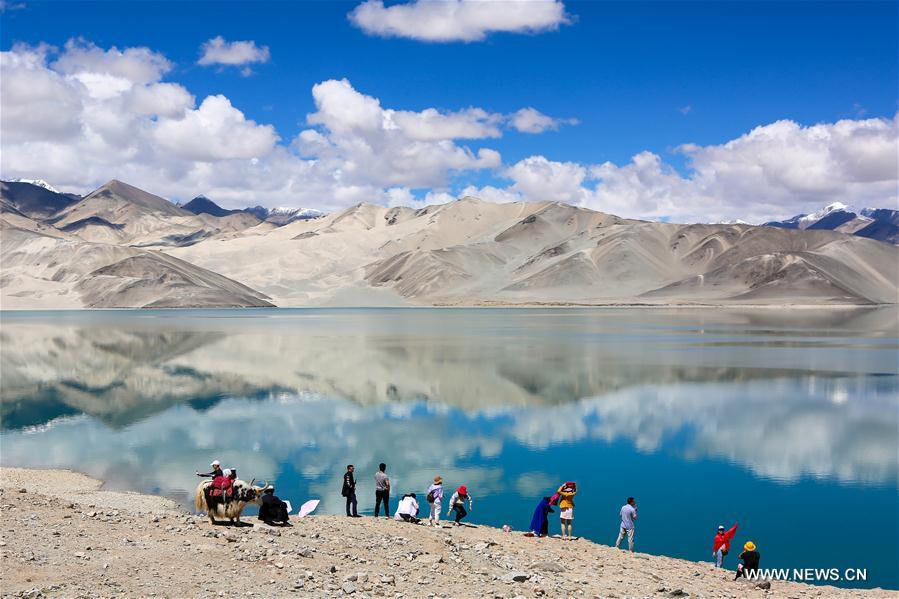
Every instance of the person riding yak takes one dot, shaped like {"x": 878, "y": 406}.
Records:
{"x": 222, "y": 488}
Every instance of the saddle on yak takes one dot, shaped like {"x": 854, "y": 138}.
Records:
{"x": 220, "y": 491}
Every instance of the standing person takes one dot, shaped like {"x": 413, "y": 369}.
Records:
{"x": 566, "y": 508}
{"x": 216, "y": 470}
{"x": 349, "y": 491}
{"x": 628, "y": 515}
{"x": 457, "y": 504}
{"x": 540, "y": 520}
{"x": 721, "y": 544}
{"x": 382, "y": 490}
{"x": 750, "y": 559}
{"x": 435, "y": 498}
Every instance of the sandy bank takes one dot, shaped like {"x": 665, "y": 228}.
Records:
{"x": 64, "y": 536}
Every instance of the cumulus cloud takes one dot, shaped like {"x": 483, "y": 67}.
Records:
{"x": 215, "y": 131}
{"x": 82, "y": 115}
{"x": 361, "y": 142}
{"x": 775, "y": 170}
{"x": 458, "y": 20}
{"x": 531, "y": 120}
{"x": 217, "y": 51}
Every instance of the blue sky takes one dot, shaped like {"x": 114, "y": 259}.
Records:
{"x": 637, "y": 76}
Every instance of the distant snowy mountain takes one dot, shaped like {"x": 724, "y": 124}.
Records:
{"x": 277, "y": 216}
{"x": 38, "y": 182}
{"x": 34, "y": 198}
{"x": 875, "y": 223}
{"x": 284, "y": 215}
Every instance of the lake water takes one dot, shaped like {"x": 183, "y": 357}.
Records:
{"x": 785, "y": 421}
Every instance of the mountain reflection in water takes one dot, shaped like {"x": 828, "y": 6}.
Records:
{"x": 497, "y": 398}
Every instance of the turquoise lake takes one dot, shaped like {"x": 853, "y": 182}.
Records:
{"x": 786, "y": 421}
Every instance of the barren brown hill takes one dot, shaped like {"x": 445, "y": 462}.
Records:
{"x": 465, "y": 252}
{"x": 470, "y": 252}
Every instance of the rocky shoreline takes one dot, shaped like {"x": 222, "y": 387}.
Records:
{"x": 63, "y": 536}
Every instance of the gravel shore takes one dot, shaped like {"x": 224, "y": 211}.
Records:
{"x": 63, "y": 536}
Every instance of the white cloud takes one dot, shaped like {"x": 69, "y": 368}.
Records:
{"x": 136, "y": 65}
{"x": 215, "y": 131}
{"x": 458, "y": 20}
{"x": 217, "y": 51}
{"x": 164, "y": 99}
{"x": 84, "y": 115}
{"x": 531, "y": 120}
{"x": 775, "y": 170}
{"x": 362, "y": 143}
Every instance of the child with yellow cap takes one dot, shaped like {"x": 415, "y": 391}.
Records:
{"x": 750, "y": 563}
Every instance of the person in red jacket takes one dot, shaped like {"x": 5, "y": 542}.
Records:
{"x": 721, "y": 544}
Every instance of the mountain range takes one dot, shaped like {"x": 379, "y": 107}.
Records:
{"x": 120, "y": 246}
{"x": 874, "y": 223}
{"x": 277, "y": 216}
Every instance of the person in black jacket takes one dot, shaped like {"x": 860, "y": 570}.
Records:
{"x": 272, "y": 509}
{"x": 216, "y": 470}
{"x": 750, "y": 558}
{"x": 349, "y": 491}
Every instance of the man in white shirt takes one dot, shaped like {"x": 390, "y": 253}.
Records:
{"x": 628, "y": 515}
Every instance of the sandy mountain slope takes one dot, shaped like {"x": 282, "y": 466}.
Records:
{"x": 44, "y": 271}
{"x": 474, "y": 252}
{"x": 119, "y": 213}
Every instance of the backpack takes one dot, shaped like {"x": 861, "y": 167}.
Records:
{"x": 430, "y": 497}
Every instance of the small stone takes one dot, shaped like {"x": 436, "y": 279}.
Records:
{"x": 549, "y": 567}
{"x": 678, "y": 593}
{"x": 305, "y": 553}
{"x": 332, "y": 569}
{"x": 279, "y": 565}
{"x": 765, "y": 584}
{"x": 348, "y": 587}
{"x": 388, "y": 579}
{"x": 516, "y": 577}
{"x": 23, "y": 490}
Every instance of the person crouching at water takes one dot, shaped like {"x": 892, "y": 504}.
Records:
{"x": 750, "y": 563}
{"x": 435, "y": 498}
{"x": 721, "y": 544}
{"x": 566, "y": 508}
{"x": 628, "y": 515}
{"x": 272, "y": 509}
{"x": 540, "y": 520}
{"x": 216, "y": 470}
{"x": 407, "y": 509}
{"x": 457, "y": 504}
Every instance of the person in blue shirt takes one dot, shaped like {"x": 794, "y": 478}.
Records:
{"x": 540, "y": 521}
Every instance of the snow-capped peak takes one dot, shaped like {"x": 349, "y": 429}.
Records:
{"x": 829, "y": 209}
{"x": 289, "y": 211}
{"x": 38, "y": 182}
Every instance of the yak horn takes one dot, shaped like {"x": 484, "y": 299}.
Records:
{"x": 252, "y": 481}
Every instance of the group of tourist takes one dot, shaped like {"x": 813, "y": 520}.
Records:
{"x": 408, "y": 509}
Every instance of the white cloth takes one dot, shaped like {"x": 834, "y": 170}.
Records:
{"x": 408, "y": 506}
